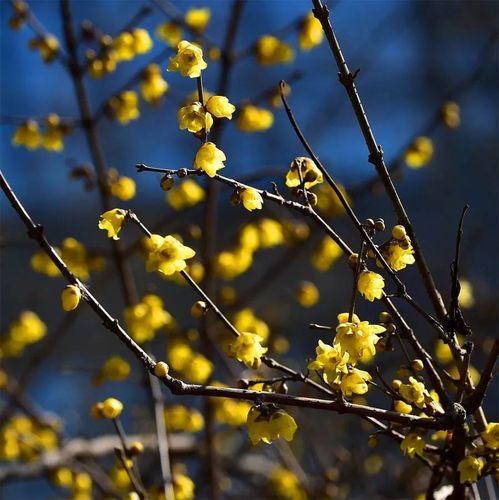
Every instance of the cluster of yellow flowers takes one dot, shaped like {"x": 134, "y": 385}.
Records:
{"x": 419, "y": 153}
{"x": 179, "y": 418}
{"x": 285, "y": 485}
{"x": 27, "y": 329}
{"x": 130, "y": 44}
{"x": 196, "y": 19}
{"x": 79, "y": 261}
{"x": 109, "y": 408}
{"x": 353, "y": 341}
{"x": 189, "y": 364}
{"x": 233, "y": 412}
{"x": 47, "y": 45}
{"x": 268, "y": 422}
{"x": 124, "y": 107}
{"x": 270, "y": 50}
{"x": 144, "y": 319}
{"x": 261, "y": 234}
{"x": 187, "y": 194}
{"x": 28, "y": 134}
{"x": 103, "y": 62}
{"x": 398, "y": 251}
{"x": 79, "y": 483}
{"x": 197, "y": 117}
{"x": 21, "y": 438}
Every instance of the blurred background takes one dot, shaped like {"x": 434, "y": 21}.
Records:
{"x": 413, "y": 57}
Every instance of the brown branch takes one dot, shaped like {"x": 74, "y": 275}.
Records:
{"x": 177, "y": 386}
{"x": 376, "y": 154}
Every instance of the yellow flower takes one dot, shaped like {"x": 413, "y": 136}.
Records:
{"x": 439, "y": 436}
{"x": 248, "y": 349}
{"x": 197, "y": 19}
{"x": 27, "y": 134}
{"x": 167, "y": 255}
{"x": 125, "y": 106}
{"x": 331, "y": 361}
{"x": 311, "y": 33}
{"x": 254, "y": 119}
{"x": 402, "y": 407}
{"x": 270, "y": 232}
{"x": 115, "y": 368}
{"x": 112, "y": 222}
{"x": 111, "y": 408}
{"x": 47, "y": 45}
{"x": 326, "y": 254}
{"x": 419, "y": 153}
{"x": 123, "y": 46}
{"x": 189, "y": 60}
{"x": 466, "y": 298}
{"x": 198, "y": 370}
{"x": 307, "y": 294}
{"x": 413, "y": 392}
{"x": 245, "y": 320}
{"x": 354, "y": 382}
{"x": 251, "y": 199}
{"x": 412, "y": 445}
{"x": 356, "y": 337}
{"x": 179, "y": 355}
{"x": 209, "y": 158}
{"x": 229, "y": 411}
{"x": 170, "y": 32}
{"x": 152, "y": 85}
{"x": 41, "y": 263}
{"x": 146, "y": 317}
{"x": 398, "y": 256}
{"x": 183, "y": 487}
{"x": 142, "y": 41}
{"x": 70, "y": 297}
{"x": 194, "y": 118}
{"x": 220, "y": 107}
{"x": 185, "y": 195}
{"x": 285, "y": 485}
{"x": 52, "y": 138}
{"x": 450, "y": 115}
{"x": 271, "y": 50}
{"x": 469, "y": 469}
{"x": 230, "y": 264}
{"x": 370, "y": 285}
{"x": 490, "y": 435}
{"x": 328, "y": 202}
{"x": 27, "y": 329}
{"x": 180, "y": 418}
{"x": 311, "y": 175}
{"x": 443, "y": 352}
{"x": 267, "y": 423}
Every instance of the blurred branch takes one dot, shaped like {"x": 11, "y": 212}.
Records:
{"x": 81, "y": 449}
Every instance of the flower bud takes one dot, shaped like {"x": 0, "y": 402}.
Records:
{"x": 161, "y": 369}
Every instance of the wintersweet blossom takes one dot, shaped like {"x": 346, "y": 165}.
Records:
{"x": 209, "y": 158}
{"x": 167, "y": 255}
{"x": 248, "y": 349}
{"x": 189, "y": 60}
{"x": 469, "y": 469}
{"x": 267, "y": 423}
{"x": 370, "y": 285}
{"x": 412, "y": 445}
{"x": 251, "y": 199}
{"x": 331, "y": 361}
{"x": 220, "y": 107}
{"x": 112, "y": 222}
